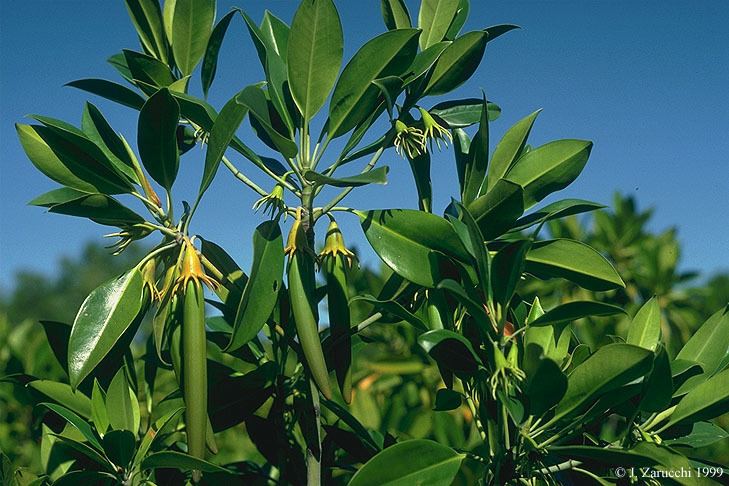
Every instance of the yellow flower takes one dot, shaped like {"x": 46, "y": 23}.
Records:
{"x": 334, "y": 245}
{"x": 273, "y": 202}
{"x": 191, "y": 269}
{"x": 434, "y": 130}
{"x": 409, "y": 141}
{"x": 297, "y": 240}
{"x": 126, "y": 236}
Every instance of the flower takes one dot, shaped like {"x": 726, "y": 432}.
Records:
{"x": 334, "y": 245}
{"x": 297, "y": 240}
{"x": 272, "y": 202}
{"x": 434, "y": 131}
{"x": 191, "y": 269}
{"x": 149, "y": 277}
{"x": 409, "y": 141}
{"x": 126, "y": 236}
{"x": 507, "y": 374}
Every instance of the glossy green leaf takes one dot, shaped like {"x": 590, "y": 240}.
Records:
{"x": 119, "y": 446}
{"x": 394, "y": 308}
{"x": 157, "y": 137}
{"x": 497, "y": 210}
{"x": 354, "y": 95}
{"x": 506, "y": 270}
{"x": 464, "y": 6}
{"x": 556, "y": 210}
{"x": 434, "y": 19}
{"x": 238, "y": 397}
{"x": 57, "y": 196}
{"x": 609, "y": 368}
{"x": 254, "y": 98}
{"x": 62, "y": 393}
{"x": 709, "y": 344}
{"x": 265, "y": 281}
{"x": 192, "y": 23}
{"x": 57, "y": 334}
{"x": 110, "y": 90}
{"x": 99, "y": 208}
{"x": 451, "y": 350}
{"x": 221, "y": 134}
{"x": 99, "y": 131}
{"x": 375, "y": 176}
{"x": 478, "y": 159}
{"x": 509, "y": 149}
{"x": 98, "y": 409}
{"x": 645, "y": 330}
{"x": 122, "y": 407}
{"x": 701, "y": 434}
{"x": 148, "y": 70}
{"x": 549, "y": 168}
{"x": 104, "y": 316}
{"x": 544, "y": 387}
{"x": 76, "y": 421}
{"x": 395, "y": 14}
{"x": 707, "y": 400}
{"x": 315, "y": 50}
{"x": 574, "y": 261}
{"x": 183, "y": 462}
{"x": 465, "y": 112}
{"x": 146, "y": 16}
{"x": 571, "y": 311}
{"x": 210, "y": 61}
{"x": 410, "y": 462}
{"x": 412, "y": 243}
{"x": 422, "y": 63}
{"x": 446, "y": 400}
{"x": 658, "y": 386}
{"x": 155, "y": 432}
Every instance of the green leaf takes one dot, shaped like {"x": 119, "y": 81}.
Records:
{"x": 122, "y": 406}
{"x": 314, "y": 55}
{"x": 261, "y": 291}
{"x": 710, "y": 344}
{"x": 110, "y": 90}
{"x": 571, "y": 311}
{"x": 412, "y": 243}
{"x": 395, "y": 14}
{"x": 434, "y": 19}
{"x": 254, "y": 98}
{"x": 701, "y": 434}
{"x": 57, "y": 334}
{"x": 446, "y": 400}
{"x": 410, "y": 462}
{"x": 658, "y": 387}
{"x": 549, "y": 168}
{"x": 148, "y": 70}
{"x": 146, "y": 16}
{"x": 645, "y": 330}
{"x": 506, "y": 270}
{"x": 459, "y": 20}
{"x": 210, "y": 61}
{"x": 119, "y": 446}
{"x": 183, "y": 462}
{"x": 157, "y": 137}
{"x": 609, "y": 368}
{"x": 497, "y": 210}
{"x": 509, "y": 149}
{"x": 76, "y": 421}
{"x": 57, "y": 196}
{"x": 98, "y": 409}
{"x": 423, "y": 62}
{"x": 103, "y": 317}
{"x": 707, "y": 400}
{"x": 545, "y": 387}
{"x": 99, "y": 208}
{"x": 375, "y": 176}
{"x": 98, "y": 130}
{"x": 556, "y": 210}
{"x": 355, "y": 96}
{"x": 192, "y": 22}
{"x": 394, "y": 308}
{"x": 451, "y": 350}
{"x": 68, "y": 157}
{"x": 574, "y": 261}
{"x": 64, "y": 395}
{"x": 478, "y": 159}
{"x": 238, "y": 397}
{"x": 154, "y": 432}
{"x": 222, "y": 133}
{"x": 465, "y": 112}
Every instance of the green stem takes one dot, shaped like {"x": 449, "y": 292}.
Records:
{"x": 242, "y": 177}
{"x": 313, "y": 463}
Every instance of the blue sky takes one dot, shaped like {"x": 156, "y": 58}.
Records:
{"x": 646, "y": 81}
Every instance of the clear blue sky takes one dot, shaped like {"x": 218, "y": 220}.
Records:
{"x": 646, "y": 80}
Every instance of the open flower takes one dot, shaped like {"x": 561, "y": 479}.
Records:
{"x": 409, "y": 141}
{"x": 273, "y": 202}
{"x": 191, "y": 269}
{"x": 297, "y": 240}
{"x": 334, "y": 245}
{"x": 434, "y": 131}
{"x": 126, "y": 236}
{"x": 507, "y": 374}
